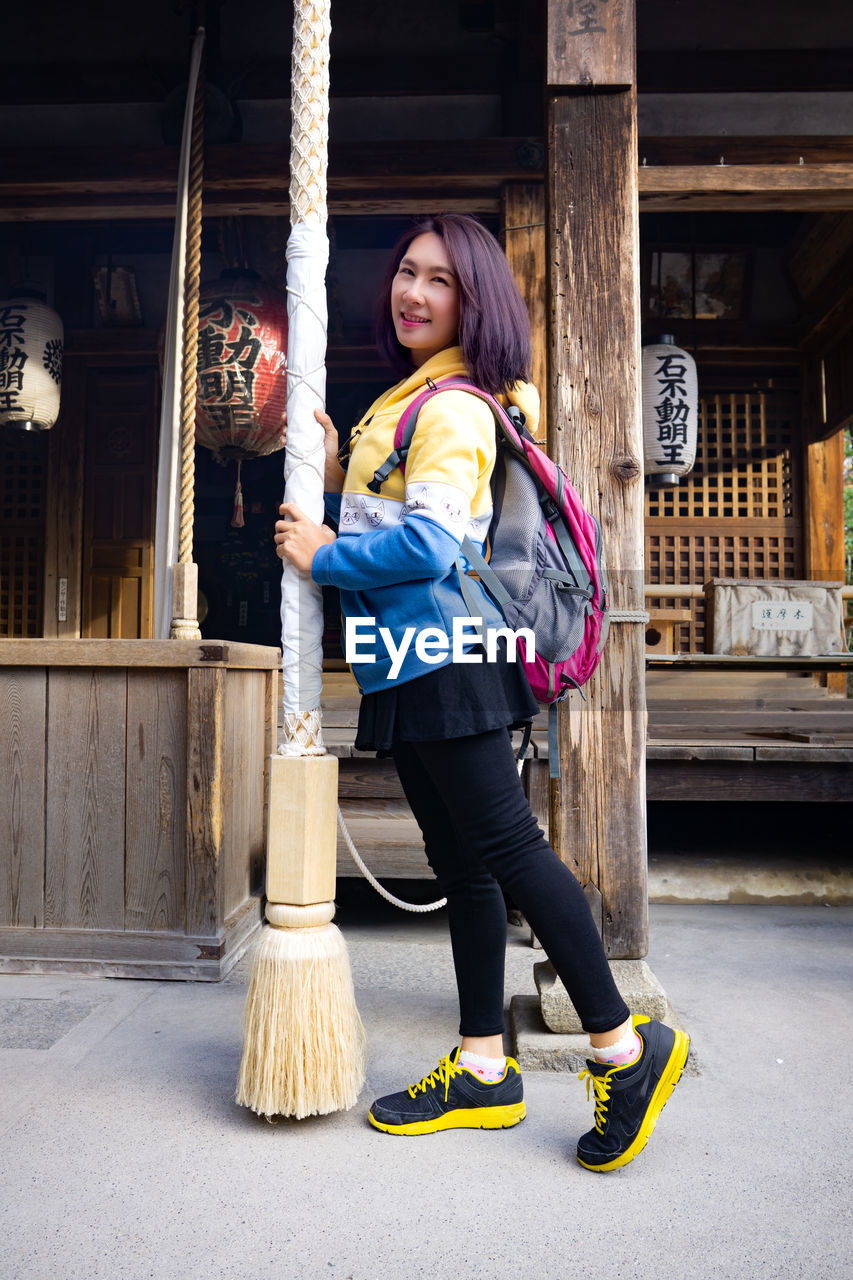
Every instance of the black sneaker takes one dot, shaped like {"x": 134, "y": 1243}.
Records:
{"x": 452, "y": 1097}
{"x": 629, "y": 1099}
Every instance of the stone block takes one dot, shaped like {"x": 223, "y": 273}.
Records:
{"x": 637, "y": 985}
{"x": 535, "y": 1048}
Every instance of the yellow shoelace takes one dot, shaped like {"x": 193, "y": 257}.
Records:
{"x": 601, "y": 1086}
{"x": 443, "y": 1074}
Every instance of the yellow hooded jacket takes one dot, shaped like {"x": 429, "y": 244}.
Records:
{"x": 394, "y": 558}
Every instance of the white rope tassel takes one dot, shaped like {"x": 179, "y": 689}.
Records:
{"x": 303, "y": 734}
{"x": 307, "y": 259}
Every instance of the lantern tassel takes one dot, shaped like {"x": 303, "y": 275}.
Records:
{"x": 237, "y": 520}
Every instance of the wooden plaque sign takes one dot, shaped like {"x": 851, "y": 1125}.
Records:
{"x": 591, "y": 43}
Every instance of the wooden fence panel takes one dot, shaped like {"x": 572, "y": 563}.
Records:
{"x": 85, "y": 799}
{"x": 156, "y": 800}
{"x": 245, "y": 761}
{"x": 205, "y": 798}
{"x": 22, "y": 713}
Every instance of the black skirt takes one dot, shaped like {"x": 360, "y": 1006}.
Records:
{"x": 454, "y": 701}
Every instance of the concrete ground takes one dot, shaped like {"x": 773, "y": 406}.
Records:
{"x": 123, "y": 1156}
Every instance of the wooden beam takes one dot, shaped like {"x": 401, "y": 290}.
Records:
{"x": 234, "y": 205}
{"x": 734, "y": 780}
{"x": 378, "y": 179}
{"x": 523, "y": 239}
{"x": 765, "y": 149}
{"x": 598, "y": 807}
{"x": 746, "y": 188}
{"x": 263, "y": 167}
{"x": 387, "y": 179}
{"x": 139, "y": 653}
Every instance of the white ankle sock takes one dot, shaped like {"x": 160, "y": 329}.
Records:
{"x": 621, "y": 1052}
{"x": 486, "y": 1069}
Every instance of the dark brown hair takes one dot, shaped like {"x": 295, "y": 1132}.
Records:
{"x": 494, "y": 327}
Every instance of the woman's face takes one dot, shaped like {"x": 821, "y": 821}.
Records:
{"x": 425, "y": 299}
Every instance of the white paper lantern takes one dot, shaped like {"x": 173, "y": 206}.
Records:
{"x": 670, "y": 411}
{"x": 31, "y": 337}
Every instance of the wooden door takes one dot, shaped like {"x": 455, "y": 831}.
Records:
{"x": 118, "y": 502}
{"x": 23, "y": 467}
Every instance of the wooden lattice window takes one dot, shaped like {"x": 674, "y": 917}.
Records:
{"x": 22, "y": 490}
{"x": 737, "y": 514}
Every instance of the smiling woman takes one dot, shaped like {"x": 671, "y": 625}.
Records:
{"x": 493, "y": 328}
{"x": 425, "y": 300}
{"x": 450, "y": 310}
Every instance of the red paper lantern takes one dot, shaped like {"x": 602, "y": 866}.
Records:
{"x": 242, "y": 367}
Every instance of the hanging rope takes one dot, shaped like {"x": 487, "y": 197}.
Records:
{"x": 371, "y": 879}
{"x": 380, "y": 889}
{"x": 170, "y": 593}
{"x": 189, "y": 359}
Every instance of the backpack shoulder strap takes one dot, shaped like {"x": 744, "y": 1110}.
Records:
{"x": 408, "y": 420}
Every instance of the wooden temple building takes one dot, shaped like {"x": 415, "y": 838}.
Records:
{"x": 683, "y": 169}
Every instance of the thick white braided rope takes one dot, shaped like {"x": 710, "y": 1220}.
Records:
{"x": 307, "y": 258}
{"x": 628, "y": 615}
{"x": 303, "y": 734}
{"x": 380, "y": 889}
{"x": 309, "y": 112}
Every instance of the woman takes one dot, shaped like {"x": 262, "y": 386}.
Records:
{"x": 449, "y": 307}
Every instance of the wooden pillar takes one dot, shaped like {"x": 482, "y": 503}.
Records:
{"x": 598, "y": 820}
{"x": 523, "y": 239}
{"x": 823, "y": 485}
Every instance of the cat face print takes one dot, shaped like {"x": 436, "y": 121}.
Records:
{"x": 453, "y": 511}
{"x": 374, "y": 512}
{"x": 418, "y": 501}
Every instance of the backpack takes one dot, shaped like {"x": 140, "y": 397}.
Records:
{"x": 546, "y": 567}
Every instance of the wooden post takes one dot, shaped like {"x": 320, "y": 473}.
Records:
{"x": 598, "y": 820}
{"x": 523, "y": 239}
{"x": 823, "y": 484}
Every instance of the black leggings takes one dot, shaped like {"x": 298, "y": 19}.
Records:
{"x": 480, "y": 839}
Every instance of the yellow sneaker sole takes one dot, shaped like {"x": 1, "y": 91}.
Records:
{"x": 666, "y": 1084}
{"x": 461, "y": 1118}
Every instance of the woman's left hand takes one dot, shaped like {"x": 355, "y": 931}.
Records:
{"x": 297, "y": 537}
